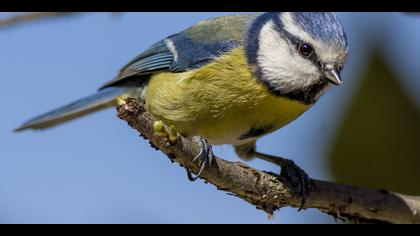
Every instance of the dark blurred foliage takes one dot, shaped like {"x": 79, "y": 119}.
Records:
{"x": 378, "y": 142}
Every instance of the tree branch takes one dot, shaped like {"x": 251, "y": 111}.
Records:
{"x": 268, "y": 191}
{"x": 29, "y": 17}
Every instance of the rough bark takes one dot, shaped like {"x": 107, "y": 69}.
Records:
{"x": 268, "y": 191}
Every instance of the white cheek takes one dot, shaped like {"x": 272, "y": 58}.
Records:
{"x": 281, "y": 64}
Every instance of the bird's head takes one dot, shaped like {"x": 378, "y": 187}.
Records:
{"x": 297, "y": 55}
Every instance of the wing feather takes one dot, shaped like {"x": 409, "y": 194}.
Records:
{"x": 194, "y": 47}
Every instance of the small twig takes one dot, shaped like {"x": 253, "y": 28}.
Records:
{"x": 29, "y": 17}
{"x": 268, "y": 192}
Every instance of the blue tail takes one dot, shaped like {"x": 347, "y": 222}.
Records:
{"x": 98, "y": 101}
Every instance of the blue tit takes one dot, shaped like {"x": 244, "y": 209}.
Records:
{"x": 230, "y": 79}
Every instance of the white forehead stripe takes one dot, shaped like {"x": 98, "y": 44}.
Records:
{"x": 170, "y": 44}
{"x": 327, "y": 53}
{"x": 290, "y": 26}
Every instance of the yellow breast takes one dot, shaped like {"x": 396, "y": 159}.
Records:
{"x": 220, "y": 101}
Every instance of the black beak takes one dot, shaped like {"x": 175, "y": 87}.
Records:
{"x": 333, "y": 76}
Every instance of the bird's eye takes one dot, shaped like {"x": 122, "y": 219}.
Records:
{"x": 305, "y": 49}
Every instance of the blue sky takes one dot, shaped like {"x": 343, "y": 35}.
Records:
{"x": 97, "y": 169}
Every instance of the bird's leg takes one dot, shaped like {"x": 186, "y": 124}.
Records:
{"x": 246, "y": 151}
{"x": 293, "y": 173}
{"x": 205, "y": 156}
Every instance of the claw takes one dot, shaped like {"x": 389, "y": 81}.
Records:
{"x": 205, "y": 155}
{"x": 198, "y": 155}
{"x": 296, "y": 176}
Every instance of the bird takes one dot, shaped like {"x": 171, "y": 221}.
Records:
{"x": 228, "y": 80}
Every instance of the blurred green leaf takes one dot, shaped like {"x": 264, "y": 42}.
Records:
{"x": 378, "y": 142}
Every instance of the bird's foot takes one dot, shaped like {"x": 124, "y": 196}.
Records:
{"x": 205, "y": 156}
{"x": 297, "y": 177}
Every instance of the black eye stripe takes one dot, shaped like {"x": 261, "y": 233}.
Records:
{"x": 296, "y": 42}
{"x": 313, "y": 57}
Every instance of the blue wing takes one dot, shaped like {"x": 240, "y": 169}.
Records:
{"x": 160, "y": 57}
{"x": 157, "y": 58}
{"x": 190, "y": 49}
